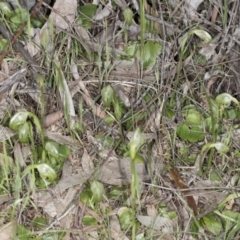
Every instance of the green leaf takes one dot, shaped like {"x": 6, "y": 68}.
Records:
{"x": 234, "y": 230}
{"x": 39, "y": 223}
{"x": 18, "y": 120}
{"x": 231, "y": 214}
{"x": 58, "y": 235}
{"x": 214, "y": 176}
{"x": 89, "y": 221}
{"x": 214, "y": 107}
{"x": 24, "y": 132}
{"x": 131, "y": 49}
{"x": 37, "y": 22}
{"x": 20, "y": 16}
{"x": 106, "y": 141}
{"x": 46, "y": 172}
{"x": 209, "y": 126}
{"x": 6, "y": 9}
{"x": 87, "y": 12}
{"x": 52, "y": 148}
{"x": 212, "y": 224}
{"x": 190, "y": 133}
{"x": 86, "y": 197}
{"x": 128, "y": 16}
{"x": 23, "y": 233}
{"x": 118, "y": 110}
{"x": 64, "y": 151}
{"x": 151, "y": 50}
{"x": 138, "y": 159}
{"x": 97, "y": 189}
{"x": 135, "y": 143}
{"x": 107, "y": 94}
{"x": 193, "y": 117}
{"x": 125, "y": 217}
{"x": 232, "y": 114}
{"x": 3, "y": 44}
{"x": 195, "y": 228}
{"x": 116, "y": 192}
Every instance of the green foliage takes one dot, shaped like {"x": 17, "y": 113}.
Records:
{"x": 151, "y": 50}
{"x": 3, "y": 44}
{"x": 117, "y": 192}
{"x": 46, "y": 172}
{"x": 86, "y": 197}
{"x": 23, "y": 233}
{"x": 18, "y": 120}
{"x": 125, "y": 217}
{"x": 192, "y": 128}
{"x": 39, "y": 223}
{"x": 212, "y": 224}
{"x": 131, "y": 49}
{"x": 6, "y": 9}
{"x": 231, "y": 221}
{"x": 190, "y": 133}
{"x": 187, "y": 157}
{"x": 87, "y": 12}
{"x": 89, "y": 221}
{"x": 19, "y": 16}
{"x": 214, "y": 176}
{"x": 97, "y": 189}
{"x": 92, "y": 195}
{"x": 108, "y": 95}
{"x": 224, "y": 100}
{"x": 48, "y": 157}
{"x": 135, "y": 143}
{"x": 110, "y": 100}
{"x": 202, "y": 34}
{"x": 128, "y": 16}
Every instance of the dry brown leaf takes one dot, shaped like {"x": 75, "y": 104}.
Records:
{"x": 122, "y": 4}
{"x": 191, "y": 8}
{"x": 62, "y": 16}
{"x": 122, "y": 93}
{"x": 87, "y": 162}
{"x": 151, "y": 210}
{"x": 18, "y": 156}
{"x": 4, "y": 70}
{"x": 208, "y": 51}
{"x": 117, "y": 171}
{"x": 4, "y": 198}
{"x": 63, "y": 13}
{"x": 5, "y": 133}
{"x": 59, "y": 138}
{"x": 106, "y": 34}
{"x": 6, "y": 231}
{"x": 96, "y": 109}
{"x": 215, "y": 13}
{"x": 52, "y": 118}
{"x": 9, "y": 160}
{"x": 69, "y": 180}
{"x": 116, "y": 232}
{"x": 103, "y": 13}
{"x": 165, "y": 225}
{"x": 179, "y": 182}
